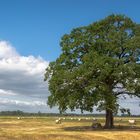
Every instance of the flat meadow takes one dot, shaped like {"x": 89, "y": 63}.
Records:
{"x": 71, "y": 128}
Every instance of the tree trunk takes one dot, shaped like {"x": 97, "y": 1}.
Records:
{"x": 109, "y": 123}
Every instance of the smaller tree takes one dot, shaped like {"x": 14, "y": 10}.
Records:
{"x": 98, "y": 64}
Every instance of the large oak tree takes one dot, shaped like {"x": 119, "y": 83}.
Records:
{"x": 98, "y": 64}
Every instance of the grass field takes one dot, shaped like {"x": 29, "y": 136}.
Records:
{"x": 45, "y": 128}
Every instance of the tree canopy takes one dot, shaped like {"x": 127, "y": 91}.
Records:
{"x": 99, "y": 63}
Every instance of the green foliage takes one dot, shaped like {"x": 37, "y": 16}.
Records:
{"x": 125, "y": 111}
{"x": 98, "y": 63}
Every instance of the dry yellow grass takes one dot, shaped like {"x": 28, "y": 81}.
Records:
{"x": 45, "y": 129}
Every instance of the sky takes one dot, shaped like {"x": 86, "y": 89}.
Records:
{"x": 30, "y": 33}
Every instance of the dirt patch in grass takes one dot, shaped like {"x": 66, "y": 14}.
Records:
{"x": 89, "y": 128}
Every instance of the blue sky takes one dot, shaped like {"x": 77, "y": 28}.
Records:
{"x": 32, "y": 28}
{"x": 36, "y": 26}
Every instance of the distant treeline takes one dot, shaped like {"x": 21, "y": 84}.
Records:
{"x": 21, "y": 113}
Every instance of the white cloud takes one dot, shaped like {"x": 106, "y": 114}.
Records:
{"x": 7, "y": 92}
{"x": 22, "y": 103}
{"x": 6, "y": 50}
{"x": 21, "y": 78}
{"x": 11, "y": 60}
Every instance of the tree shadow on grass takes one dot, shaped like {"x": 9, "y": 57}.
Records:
{"x": 89, "y": 128}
